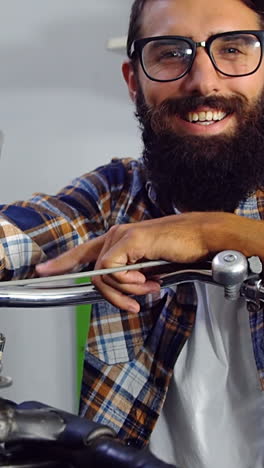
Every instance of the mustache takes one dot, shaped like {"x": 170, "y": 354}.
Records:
{"x": 158, "y": 116}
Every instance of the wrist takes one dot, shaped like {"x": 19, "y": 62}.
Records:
{"x": 227, "y": 231}
{"x": 222, "y": 231}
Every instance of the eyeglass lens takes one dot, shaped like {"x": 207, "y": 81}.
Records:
{"x": 234, "y": 55}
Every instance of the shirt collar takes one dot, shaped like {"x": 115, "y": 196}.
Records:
{"x": 248, "y": 207}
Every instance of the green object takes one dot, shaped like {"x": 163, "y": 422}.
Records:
{"x": 83, "y": 315}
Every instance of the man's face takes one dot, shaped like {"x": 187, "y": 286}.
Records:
{"x": 198, "y": 20}
{"x": 200, "y": 166}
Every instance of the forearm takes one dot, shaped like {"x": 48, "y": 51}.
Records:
{"x": 224, "y": 231}
{"x": 182, "y": 238}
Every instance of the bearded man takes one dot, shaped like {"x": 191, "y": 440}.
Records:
{"x": 196, "y": 75}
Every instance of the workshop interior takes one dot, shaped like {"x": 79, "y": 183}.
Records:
{"x": 57, "y": 100}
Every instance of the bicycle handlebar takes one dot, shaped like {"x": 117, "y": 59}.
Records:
{"x": 229, "y": 269}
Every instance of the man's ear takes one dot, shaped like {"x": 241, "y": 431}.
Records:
{"x": 130, "y": 78}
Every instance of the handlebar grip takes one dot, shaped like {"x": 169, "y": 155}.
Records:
{"x": 48, "y": 433}
{"x": 60, "y": 427}
{"x": 99, "y": 454}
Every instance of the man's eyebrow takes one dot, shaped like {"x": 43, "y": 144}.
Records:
{"x": 190, "y": 36}
{"x": 166, "y": 41}
{"x": 230, "y": 36}
{"x": 246, "y": 38}
{"x": 210, "y": 34}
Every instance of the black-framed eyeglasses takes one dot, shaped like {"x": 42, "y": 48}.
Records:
{"x": 169, "y": 58}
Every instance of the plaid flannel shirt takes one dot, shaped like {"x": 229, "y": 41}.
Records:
{"x": 129, "y": 358}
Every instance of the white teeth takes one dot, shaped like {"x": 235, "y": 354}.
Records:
{"x": 208, "y": 116}
{"x": 215, "y": 116}
{"x": 222, "y": 115}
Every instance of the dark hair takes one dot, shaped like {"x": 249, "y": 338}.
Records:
{"x": 137, "y": 10}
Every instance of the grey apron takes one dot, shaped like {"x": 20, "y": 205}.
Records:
{"x": 213, "y": 416}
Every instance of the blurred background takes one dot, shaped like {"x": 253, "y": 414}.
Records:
{"x": 64, "y": 110}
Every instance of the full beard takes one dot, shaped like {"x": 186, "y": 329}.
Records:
{"x": 203, "y": 173}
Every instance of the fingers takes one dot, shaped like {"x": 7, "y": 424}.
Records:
{"x": 129, "y": 288}
{"x": 118, "y": 299}
{"x": 121, "y": 245}
{"x": 124, "y": 245}
{"x": 118, "y": 294}
{"x": 72, "y": 259}
{"x": 125, "y": 277}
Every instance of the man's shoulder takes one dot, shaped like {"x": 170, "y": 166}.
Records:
{"x": 253, "y": 206}
{"x": 128, "y": 165}
{"x": 118, "y": 172}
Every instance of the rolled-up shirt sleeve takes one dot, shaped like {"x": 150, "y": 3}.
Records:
{"x": 45, "y": 226}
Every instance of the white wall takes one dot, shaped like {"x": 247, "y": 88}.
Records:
{"x": 64, "y": 110}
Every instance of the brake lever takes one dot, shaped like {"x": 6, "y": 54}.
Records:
{"x": 230, "y": 269}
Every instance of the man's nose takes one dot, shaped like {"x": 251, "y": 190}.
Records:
{"x": 203, "y": 78}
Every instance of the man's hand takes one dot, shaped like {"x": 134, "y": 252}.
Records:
{"x": 179, "y": 238}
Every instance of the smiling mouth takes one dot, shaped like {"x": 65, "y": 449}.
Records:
{"x": 205, "y": 117}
